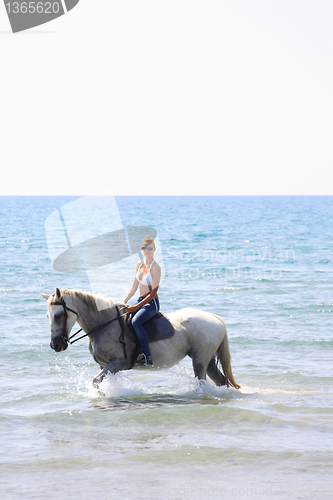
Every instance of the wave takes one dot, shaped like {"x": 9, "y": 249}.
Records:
{"x": 236, "y": 288}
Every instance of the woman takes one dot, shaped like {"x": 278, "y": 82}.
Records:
{"x": 147, "y": 275}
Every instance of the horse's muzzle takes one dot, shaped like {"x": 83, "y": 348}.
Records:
{"x": 59, "y": 344}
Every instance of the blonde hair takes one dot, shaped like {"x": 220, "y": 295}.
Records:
{"x": 147, "y": 240}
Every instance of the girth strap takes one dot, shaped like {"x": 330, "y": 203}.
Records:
{"x": 122, "y": 335}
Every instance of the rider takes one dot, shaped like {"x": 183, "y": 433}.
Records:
{"x": 148, "y": 275}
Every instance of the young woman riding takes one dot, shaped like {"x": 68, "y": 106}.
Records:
{"x": 147, "y": 275}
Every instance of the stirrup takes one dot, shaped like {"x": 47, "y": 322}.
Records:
{"x": 144, "y": 361}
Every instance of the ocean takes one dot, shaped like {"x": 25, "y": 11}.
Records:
{"x": 262, "y": 263}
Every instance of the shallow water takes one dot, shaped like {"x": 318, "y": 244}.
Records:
{"x": 265, "y": 265}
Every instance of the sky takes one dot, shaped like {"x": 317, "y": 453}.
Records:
{"x": 218, "y": 97}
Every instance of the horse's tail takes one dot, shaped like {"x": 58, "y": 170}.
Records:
{"x": 223, "y": 355}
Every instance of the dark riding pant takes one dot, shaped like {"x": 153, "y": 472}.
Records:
{"x": 143, "y": 314}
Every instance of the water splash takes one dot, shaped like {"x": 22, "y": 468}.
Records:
{"x": 177, "y": 382}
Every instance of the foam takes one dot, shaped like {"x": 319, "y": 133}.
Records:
{"x": 176, "y": 381}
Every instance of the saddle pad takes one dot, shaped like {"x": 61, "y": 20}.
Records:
{"x": 157, "y": 328}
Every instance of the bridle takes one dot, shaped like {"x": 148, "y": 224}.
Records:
{"x": 64, "y": 324}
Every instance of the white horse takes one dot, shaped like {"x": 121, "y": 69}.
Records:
{"x": 200, "y": 335}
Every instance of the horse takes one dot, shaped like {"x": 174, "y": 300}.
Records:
{"x": 198, "y": 334}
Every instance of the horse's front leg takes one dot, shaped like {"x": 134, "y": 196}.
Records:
{"x": 114, "y": 366}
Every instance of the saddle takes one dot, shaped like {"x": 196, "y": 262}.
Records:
{"x": 157, "y": 328}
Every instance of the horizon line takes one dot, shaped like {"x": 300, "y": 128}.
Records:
{"x": 169, "y": 195}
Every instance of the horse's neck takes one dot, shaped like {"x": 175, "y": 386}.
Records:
{"x": 87, "y": 318}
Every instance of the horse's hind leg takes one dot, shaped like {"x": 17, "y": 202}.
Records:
{"x": 214, "y": 373}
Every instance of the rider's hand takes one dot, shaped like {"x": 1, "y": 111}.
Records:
{"x": 132, "y": 309}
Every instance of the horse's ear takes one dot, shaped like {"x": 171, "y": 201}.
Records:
{"x": 58, "y": 294}
{"x": 44, "y": 295}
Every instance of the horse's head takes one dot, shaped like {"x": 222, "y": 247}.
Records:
{"x": 61, "y": 320}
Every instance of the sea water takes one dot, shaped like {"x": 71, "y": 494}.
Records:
{"x": 262, "y": 263}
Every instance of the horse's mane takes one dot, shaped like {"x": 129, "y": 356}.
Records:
{"x": 96, "y": 302}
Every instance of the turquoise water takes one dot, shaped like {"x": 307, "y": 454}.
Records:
{"x": 265, "y": 265}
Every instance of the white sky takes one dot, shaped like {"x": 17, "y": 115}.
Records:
{"x": 222, "y": 97}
